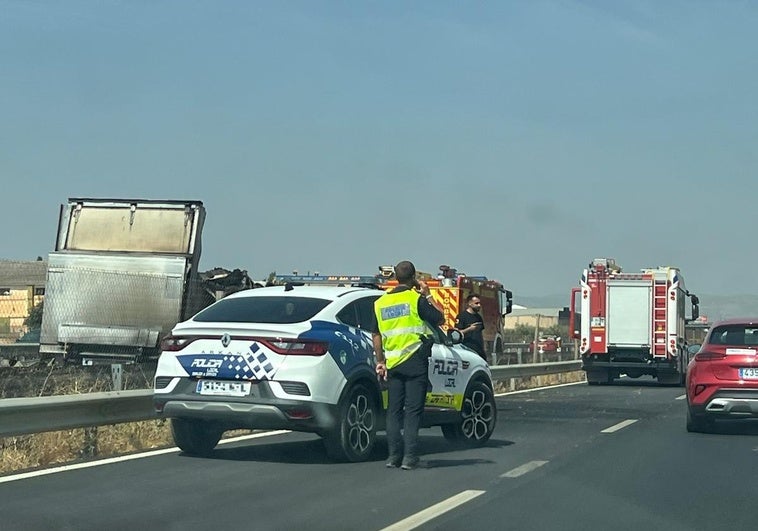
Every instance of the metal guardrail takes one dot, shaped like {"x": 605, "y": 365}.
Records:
{"x": 526, "y": 370}
{"x": 23, "y": 416}
{"x": 19, "y": 350}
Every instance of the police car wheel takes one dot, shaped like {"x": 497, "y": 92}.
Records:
{"x": 195, "y": 437}
{"x": 354, "y": 436}
{"x": 478, "y": 417}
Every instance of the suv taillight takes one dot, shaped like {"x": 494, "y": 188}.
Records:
{"x": 709, "y": 356}
{"x": 175, "y": 343}
{"x": 297, "y": 347}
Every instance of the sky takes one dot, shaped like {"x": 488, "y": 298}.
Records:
{"x": 513, "y": 139}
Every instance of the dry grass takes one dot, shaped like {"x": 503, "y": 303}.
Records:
{"x": 50, "y": 380}
{"x": 518, "y": 384}
{"x": 46, "y": 449}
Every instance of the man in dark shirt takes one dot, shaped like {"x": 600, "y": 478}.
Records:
{"x": 471, "y": 324}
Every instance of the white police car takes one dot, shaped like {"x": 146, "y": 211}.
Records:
{"x": 301, "y": 358}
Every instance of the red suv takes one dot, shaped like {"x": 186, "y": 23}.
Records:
{"x": 722, "y": 378}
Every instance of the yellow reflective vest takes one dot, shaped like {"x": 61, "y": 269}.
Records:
{"x": 400, "y": 325}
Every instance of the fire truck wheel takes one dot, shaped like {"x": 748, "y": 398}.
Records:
{"x": 498, "y": 346}
{"x": 478, "y": 417}
{"x": 669, "y": 378}
{"x": 599, "y": 377}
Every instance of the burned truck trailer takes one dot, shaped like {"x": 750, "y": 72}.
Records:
{"x": 123, "y": 273}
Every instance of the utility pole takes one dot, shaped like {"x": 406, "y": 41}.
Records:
{"x": 536, "y": 338}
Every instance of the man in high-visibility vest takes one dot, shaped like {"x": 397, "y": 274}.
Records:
{"x": 402, "y": 346}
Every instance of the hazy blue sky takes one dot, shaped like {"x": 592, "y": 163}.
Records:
{"x": 512, "y": 139}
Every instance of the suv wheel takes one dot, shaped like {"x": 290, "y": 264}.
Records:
{"x": 600, "y": 376}
{"x": 478, "y": 417}
{"x": 195, "y": 437}
{"x": 354, "y": 437}
{"x": 698, "y": 424}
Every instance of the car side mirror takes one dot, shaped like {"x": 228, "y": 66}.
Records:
{"x": 455, "y": 336}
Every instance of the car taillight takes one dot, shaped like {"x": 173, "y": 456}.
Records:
{"x": 709, "y": 356}
{"x": 297, "y": 347}
{"x": 174, "y": 343}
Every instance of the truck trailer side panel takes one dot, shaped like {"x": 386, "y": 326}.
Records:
{"x": 123, "y": 273}
{"x": 111, "y": 300}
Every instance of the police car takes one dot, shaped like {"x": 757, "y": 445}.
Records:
{"x": 301, "y": 358}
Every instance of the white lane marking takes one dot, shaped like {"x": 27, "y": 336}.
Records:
{"x": 122, "y": 458}
{"x": 523, "y": 469}
{"x": 619, "y": 426}
{"x": 681, "y": 397}
{"x": 583, "y": 382}
{"x": 434, "y": 511}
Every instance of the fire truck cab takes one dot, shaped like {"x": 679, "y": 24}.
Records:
{"x": 631, "y": 323}
{"x": 450, "y": 289}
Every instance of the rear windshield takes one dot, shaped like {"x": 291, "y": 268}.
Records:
{"x": 739, "y": 335}
{"x": 275, "y": 310}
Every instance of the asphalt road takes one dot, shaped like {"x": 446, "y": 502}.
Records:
{"x": 572, "y": 457}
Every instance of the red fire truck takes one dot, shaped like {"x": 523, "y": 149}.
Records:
{"x": 631, "y": 323}
{"x": 450, "y": 289}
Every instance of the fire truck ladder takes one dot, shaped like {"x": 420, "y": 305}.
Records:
{"x": 660, "y": 289}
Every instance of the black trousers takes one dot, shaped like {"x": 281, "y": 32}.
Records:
{"x": 407, "y": 385}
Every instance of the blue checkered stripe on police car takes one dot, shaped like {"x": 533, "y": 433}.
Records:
{"x": 253, "y": 364}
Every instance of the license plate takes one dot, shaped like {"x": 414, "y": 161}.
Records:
{"x": 749, "y": 374}
{"x": 223, "y": 388}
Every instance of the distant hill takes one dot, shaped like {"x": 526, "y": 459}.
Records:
{"x": 714, "y": 307}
